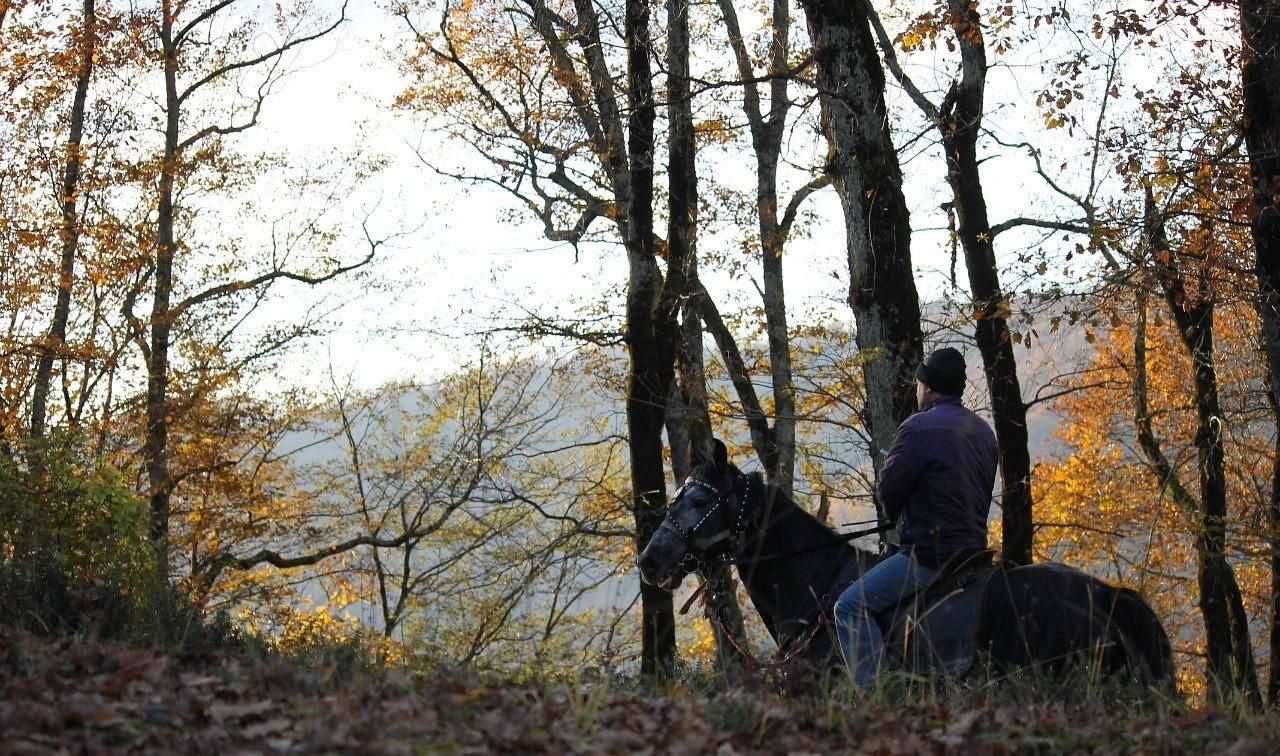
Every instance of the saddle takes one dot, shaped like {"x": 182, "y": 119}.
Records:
{"x": 934, "y": 631}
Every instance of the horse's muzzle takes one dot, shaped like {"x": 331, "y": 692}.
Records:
{"x": 652, "y": 572}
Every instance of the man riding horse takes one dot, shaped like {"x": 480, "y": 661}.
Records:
{"x": 936, "y": 485}
{"x": 937, "y": 481}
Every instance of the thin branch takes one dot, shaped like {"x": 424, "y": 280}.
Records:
{"x": 1147, "y": 440}
{"x": 797, "y": 199}
{"x": 1045, "y": 398}
{"x": 250, "y": 63}
{"x": 891, "y": 61}
{"x": 275, "y": 275}
{"x": 1075, "y": 227}
{"x": 761, "y": 434}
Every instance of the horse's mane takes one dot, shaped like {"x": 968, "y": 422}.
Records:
{"x": 793, "y": 565}
{"x": 802, "y": 530}
{"x": 806, "y": 528}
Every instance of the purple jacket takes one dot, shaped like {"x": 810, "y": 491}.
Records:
{"x": 937, "y": 481}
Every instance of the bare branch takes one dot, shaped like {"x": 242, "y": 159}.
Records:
{"x": 240, "y": 65}
{"x": 797, "y": 199}
{"x": 891, "y": 61}
{"x": 1147, "y": 440}
{"x": 1075, "y": 227}
{"x": 761, "y": 434}
{"x": 275, "y": 275}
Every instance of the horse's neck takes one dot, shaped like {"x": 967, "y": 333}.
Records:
{"x": 790, "y": 587}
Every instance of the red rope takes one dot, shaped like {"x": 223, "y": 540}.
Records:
{"x": 752, "y": 664}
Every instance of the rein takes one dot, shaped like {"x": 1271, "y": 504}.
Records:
{"x": 737, "y": 529}
{"x": 738, "y": 561}
{"x": 792, "y": 647}
{"x": 839, "y": 539}
{"x": 787, "y": 652}
{"x": 693, "y": 564}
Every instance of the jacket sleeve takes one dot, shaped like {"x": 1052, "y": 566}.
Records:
{"x": 901, "y": 471}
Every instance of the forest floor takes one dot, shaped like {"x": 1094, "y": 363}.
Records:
{"x": 83, "y": 696}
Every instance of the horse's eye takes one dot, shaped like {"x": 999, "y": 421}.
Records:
{"x": 704, "y": 502}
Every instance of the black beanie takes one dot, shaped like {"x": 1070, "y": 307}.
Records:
{"x": 943, "y": 371}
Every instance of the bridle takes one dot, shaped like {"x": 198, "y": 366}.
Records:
{"x": 742, "y": 517}
{"x": 697, "y": 560}
{"x": 734, "y": 532}
{"x": 696, "y": 545}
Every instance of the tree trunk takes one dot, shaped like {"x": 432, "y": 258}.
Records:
{"x": 864, "y": 168}
{"x": 766, "y": 137}
{"x": 721, "y": 607}
{"x": 1232, "y": 668}
{"x": 1272, "y": 330}
{"x": 686, "y": 430}
{"x": 1231, "y": 659}
{"x": 780, "y": 461}
{"x": 960, "y": 124}
{"x": 649, "y": 339}
{"x": 156, "y": 447}
{"x": 776, "y": 449}
{"x": 70, "y": 230}
{"x": 625, "y": 153}
{"x": 1260, "y": 32}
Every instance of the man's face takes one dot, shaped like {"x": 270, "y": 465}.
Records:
{"x": 921, "y": 391}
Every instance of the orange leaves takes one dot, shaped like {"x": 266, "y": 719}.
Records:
{"x": 28, "y": 238}
{"x": 1098, "y": 504}
{"x": 911, "y": 40}
{"x": 714, "y": 131}
{"x": 922, "y": 32}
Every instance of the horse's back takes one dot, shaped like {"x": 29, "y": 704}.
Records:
{"x": 1050, "y": 615}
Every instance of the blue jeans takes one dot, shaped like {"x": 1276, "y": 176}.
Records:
{"x": 884, "y": 585}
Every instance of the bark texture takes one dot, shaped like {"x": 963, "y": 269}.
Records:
{"x": 1232, "y": 670}
{"x": 777, "y": 450}
{"x": 863, "y": 165}
{"x": 622, "y": 140}
{"x": 689, "y": 425}
{"x": 959, "y": 122}
{"x": 651, "y": 338}
{"x": 1260, "y": 74}
{"x": 960, "y": 125}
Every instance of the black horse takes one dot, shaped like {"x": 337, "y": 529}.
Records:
{"x": 1047, "y": 615}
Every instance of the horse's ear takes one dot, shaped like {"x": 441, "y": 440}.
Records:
{"x": 700, "y": 455}
{"x": 720, "y": 454}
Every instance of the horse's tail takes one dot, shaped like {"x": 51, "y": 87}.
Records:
{"x": 1148, "y": 642}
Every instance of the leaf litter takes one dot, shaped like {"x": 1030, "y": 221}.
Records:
{"x": 69, "y": 696}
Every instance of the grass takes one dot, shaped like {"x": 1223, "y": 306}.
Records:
{"x": 330, "y": 698}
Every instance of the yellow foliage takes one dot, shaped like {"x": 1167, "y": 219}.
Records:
{"x": 316, "y": 630}
{"x": 1099, "y": 505}
{"x": 698, "y": 643}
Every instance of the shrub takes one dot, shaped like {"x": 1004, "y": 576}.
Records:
{"x": 74, "y": 553}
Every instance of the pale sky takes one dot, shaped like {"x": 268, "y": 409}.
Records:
{"x": 458, "y": 265}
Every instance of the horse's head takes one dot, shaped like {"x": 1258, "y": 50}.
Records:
{"x": 702, "y": 524}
